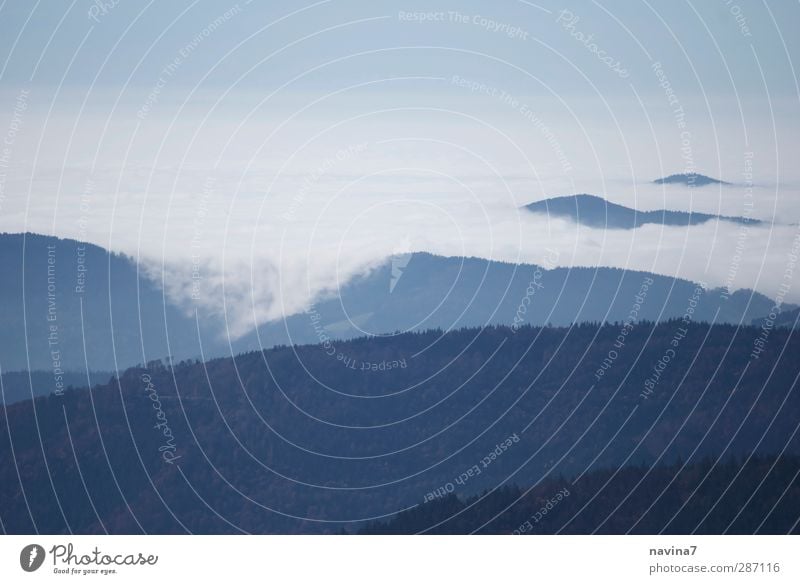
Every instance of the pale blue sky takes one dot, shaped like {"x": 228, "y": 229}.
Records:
{"x": 701, "y": 44}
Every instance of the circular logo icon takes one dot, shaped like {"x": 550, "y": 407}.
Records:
{"x": 31, "y": 557}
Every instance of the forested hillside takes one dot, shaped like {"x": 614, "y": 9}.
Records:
{"x": 323, "y": 437}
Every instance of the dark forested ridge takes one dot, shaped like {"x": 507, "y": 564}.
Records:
{"x": 746, "y": 496}
{"x": 317, "y": 438}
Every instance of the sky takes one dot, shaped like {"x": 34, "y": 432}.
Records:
{"x": 285, "y": 149}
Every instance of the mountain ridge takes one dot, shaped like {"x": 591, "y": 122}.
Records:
{"x": 305, "y": 459}
{"x": 148, "y": 325}
{"x": 598, "y": 212}
{"x": 689, "y": 179}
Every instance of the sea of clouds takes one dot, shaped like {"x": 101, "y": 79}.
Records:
{"x": 259, "y": 214}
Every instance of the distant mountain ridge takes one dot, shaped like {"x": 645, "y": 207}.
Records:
{"x": 63, "y": 296}
{"x": 688, "y": 179}
{"x": 788, "y": 318}
{"x": 597, "y": 212}
{"x": 122, "y": 318}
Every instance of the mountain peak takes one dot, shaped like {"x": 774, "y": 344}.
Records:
{"x": 689, "y": 179}
{"x": 597, "y": 212}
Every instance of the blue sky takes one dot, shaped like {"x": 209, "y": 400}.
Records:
{"x": 711, "y": 47}
{"x": 729, "y": 66}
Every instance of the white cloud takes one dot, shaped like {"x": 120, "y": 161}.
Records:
{"x": 277, "y": 217}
